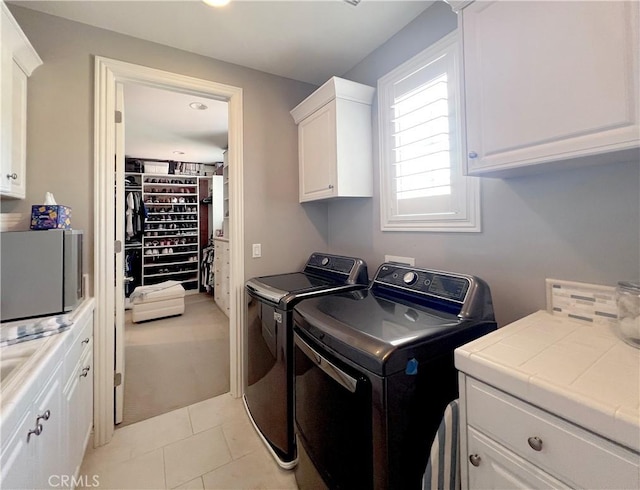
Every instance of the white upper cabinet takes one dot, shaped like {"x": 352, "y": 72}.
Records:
{"x": 549, "y": 82}
{"x": 334, "y": 141}
{"x": 19, "y": 59}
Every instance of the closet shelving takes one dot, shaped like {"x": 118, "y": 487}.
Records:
{"x": 170, "y": 244}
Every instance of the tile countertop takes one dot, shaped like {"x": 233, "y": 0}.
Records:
{"x": 581, "y": 372}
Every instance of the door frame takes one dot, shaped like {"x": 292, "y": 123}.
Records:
{"x": 107, "y": 73}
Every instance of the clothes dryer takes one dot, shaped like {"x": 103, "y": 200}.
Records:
{"x": 268, "y": 395}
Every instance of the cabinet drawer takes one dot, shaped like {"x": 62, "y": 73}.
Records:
{"x": 568, "y": 452}
{"x": 497, "y": 467}
{"x": 81, "y": 343}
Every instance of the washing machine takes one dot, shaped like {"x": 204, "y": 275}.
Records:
{"x": 268, "y": 396}
{"x": 374, "y": 372}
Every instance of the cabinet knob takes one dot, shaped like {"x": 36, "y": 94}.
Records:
{"x": 330, "y": 186}
{"x": 474, "y": 459}
{"x": 473, "y": 154}
{"x": 85, "y": 341}
{"x": 535, "y": 443}
{"x": 12, "y": 176}
{"x": 85, "y": 372}
{"x": 37, "y": 431}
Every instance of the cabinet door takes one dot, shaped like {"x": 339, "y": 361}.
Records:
{"x": 549, "y": 81}
{"x": 16, "y": 461}
{"x": 14, "y": 128}
{"x": 85, "y": 411}
{"x": 491, "y": 466}
{"x": 6, "y": 111}
{"x": 317, "y": 154}
{"x": 79, "y": 405}
{"x": 17, "y": 176}
{"x": 48, "y": 447}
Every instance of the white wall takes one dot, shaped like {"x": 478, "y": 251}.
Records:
{"x": 60, "y": 136}
{"x": 580, "y": 225}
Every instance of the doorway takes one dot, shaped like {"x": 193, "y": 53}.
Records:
{"x": 109, "y": 73}
{"x": 175, "y": 146}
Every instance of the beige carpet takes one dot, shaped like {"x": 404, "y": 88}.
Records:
{"x": 174, "y": 362}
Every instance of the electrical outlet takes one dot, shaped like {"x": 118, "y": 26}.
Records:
{"x": 400, "y": 260}
{"x": 256, "y": 250}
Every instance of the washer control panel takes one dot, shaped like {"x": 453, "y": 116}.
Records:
{"x": 443, "y": 285}
{"x": 331, "y": 263}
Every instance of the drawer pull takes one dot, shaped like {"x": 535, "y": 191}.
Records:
{"x": 474, "y": 459}
{"x": 535, "y": 443}
{"x": 44, "y": 416}
{"x": 37, "y": 431}
{"x": 85, "y": 341}
{"x": 85, "y": 372}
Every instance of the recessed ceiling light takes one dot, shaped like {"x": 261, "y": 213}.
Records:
{"x": 198, "y": 106}
{"x": 178, "y": 152}
{"x": 216, "y": 3}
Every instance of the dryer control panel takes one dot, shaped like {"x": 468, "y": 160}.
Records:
{"x": 349, "y": 269}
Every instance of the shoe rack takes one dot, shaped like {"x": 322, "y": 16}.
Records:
{"x": 170, "y": 243}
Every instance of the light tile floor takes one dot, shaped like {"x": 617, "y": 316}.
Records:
{"x": 208, "y": 445}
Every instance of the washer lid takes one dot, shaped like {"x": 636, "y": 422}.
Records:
{"x": 379, "y": 334}
{"x": 277, "y": 287}
{"x": 323, "y": 274}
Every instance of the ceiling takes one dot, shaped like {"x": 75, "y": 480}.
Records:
{"x": 159, "y": 123}
{"x": 305, "y": 40}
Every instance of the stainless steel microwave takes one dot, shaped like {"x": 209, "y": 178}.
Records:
{"x": 41, "y": 273}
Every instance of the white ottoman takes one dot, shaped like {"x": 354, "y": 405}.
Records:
{"x": 157, "y": 301}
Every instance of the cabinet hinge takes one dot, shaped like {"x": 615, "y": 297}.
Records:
{"x": 117, "y": 379}
{"x": 118, "y": 117}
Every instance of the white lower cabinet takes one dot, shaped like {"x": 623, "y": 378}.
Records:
{"x": 33, "y": 452}
{"x": 491, "y": 466}
{"x": 79, "y": 397}
{"x": 15, "y": 463}
{"x": 509, "y": 443}
{"x": 46, "y": 427}
{"x": 48, "y": 448}
{"x": 222, "y": 271}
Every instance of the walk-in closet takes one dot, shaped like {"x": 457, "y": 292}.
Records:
{"x": 175, "y": 218}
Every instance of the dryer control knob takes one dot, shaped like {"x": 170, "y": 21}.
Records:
{"x": 325, "y": 261}
{"x": 410, "y": 278}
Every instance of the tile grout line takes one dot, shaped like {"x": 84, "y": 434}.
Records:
{"x": 164, "y": 467}
{"x": 190, "y": 420}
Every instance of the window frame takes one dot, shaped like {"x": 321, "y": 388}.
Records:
{"x": 467, "y": 218}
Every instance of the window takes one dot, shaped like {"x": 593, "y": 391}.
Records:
{"x": 421, "y": 149}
